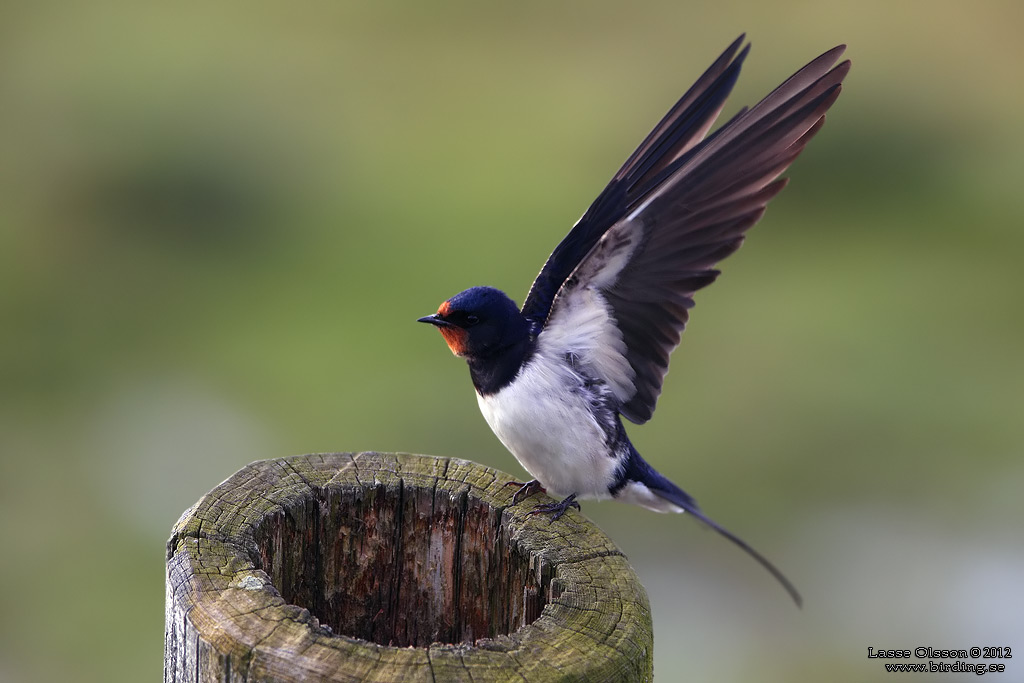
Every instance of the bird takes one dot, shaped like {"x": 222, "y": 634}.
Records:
{"x": 591, "y": 343}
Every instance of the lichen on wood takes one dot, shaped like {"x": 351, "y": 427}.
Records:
{"x": 394, "y": 567}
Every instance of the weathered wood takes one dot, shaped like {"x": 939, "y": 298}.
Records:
{"x": 384, "y": 567}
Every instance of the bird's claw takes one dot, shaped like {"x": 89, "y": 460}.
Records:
{"x": 556, "y": 510}
{"x": 525, "y": 490}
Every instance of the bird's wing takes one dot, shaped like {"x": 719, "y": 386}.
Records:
{"x": 683, "y": 126}
{"x": 628, "y": 270}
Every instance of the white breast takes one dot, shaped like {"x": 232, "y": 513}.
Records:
{"x": 546, "y": 422}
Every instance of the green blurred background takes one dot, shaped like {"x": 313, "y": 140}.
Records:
{"x": 219, "y": 222}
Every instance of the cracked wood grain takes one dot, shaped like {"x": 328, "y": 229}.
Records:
{"x": 394, "y": 567}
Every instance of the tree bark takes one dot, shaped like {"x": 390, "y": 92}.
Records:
{"x": 385, "y": 567}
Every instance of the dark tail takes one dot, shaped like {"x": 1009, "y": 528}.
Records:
{"x": 672, "y": 493}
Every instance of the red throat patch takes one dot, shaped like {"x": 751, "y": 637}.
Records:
{"x": 456, "y": 338}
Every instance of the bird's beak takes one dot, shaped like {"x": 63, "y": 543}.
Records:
{"x": 435, "y": 320}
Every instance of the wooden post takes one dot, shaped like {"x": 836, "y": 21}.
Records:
{"x": 384, "y": 567}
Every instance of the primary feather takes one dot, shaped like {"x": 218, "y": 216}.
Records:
{"x": 680, "y": 204}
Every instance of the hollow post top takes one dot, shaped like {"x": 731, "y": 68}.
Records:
{"x": 275, "y": 569}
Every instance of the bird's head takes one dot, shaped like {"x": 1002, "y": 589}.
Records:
{"x": 479, "y": 322}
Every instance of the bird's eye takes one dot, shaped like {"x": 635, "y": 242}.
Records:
{"x": 472, "y": 319}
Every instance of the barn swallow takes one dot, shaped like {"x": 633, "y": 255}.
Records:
{"x": 591, "y": 343}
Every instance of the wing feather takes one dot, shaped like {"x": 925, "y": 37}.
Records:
{"x": 684, "y": 126}
{"x": 680, "y": 204}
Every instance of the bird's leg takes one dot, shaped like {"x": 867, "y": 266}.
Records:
{"x": 525, "y": 490}
{"x": 556, "y": 509}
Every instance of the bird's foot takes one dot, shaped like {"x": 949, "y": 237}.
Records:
{"x": 525, "y": 490}
{"x": 556, "y": 510}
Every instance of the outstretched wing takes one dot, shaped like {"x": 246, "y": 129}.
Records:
{"x": 678, "y": 206}
{"x": 682, "y": 127}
